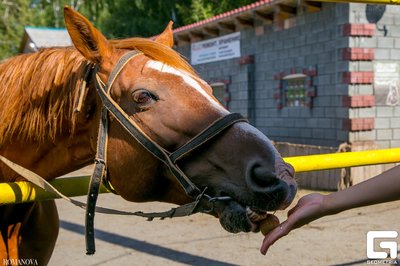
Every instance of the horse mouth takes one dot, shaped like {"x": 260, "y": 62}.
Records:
{"x": 255, "y": 218}
{"x": 236, "y": 216}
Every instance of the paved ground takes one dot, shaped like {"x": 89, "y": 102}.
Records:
{"x": 200, "y": 240}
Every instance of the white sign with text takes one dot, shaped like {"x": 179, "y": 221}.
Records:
{"x": 217, "y": 49}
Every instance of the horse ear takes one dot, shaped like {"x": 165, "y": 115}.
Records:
{"x": 86, "y": 38}
{"x": 166, "y": 37}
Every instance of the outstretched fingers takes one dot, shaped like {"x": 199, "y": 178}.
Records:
{"x": 308, "y": 209}
{"x": 280, "y": 231}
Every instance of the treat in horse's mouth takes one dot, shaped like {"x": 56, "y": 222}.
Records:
{"x": 270, "y": 223}
{"x": 265, "y": 222}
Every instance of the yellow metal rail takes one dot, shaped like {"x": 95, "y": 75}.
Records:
{"x": 345, "y": 159}
{"x": 19, "y": 192}
{"x": 22, "y": 191}
{"x": 381, "y": 2}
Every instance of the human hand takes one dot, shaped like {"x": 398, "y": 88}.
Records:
{"x": 308, "y": 209}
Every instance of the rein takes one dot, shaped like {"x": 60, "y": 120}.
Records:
{"x": 202, "y": 202}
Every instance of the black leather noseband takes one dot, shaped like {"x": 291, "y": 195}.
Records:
{"x": 169, "y": 159}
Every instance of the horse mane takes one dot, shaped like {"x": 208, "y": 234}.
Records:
{"x": 38, "y": 91}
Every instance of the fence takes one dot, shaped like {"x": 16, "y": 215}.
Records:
{"x": 18, "y": 192}
{"x": 320, "y": 180}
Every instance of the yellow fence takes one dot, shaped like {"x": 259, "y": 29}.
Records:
{"x": 346, "y": 159}
{"x": 19, "y": 192}
{"x": 380, "y": 2}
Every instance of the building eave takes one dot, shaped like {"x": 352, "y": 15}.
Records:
{"x": 249, "y": 16}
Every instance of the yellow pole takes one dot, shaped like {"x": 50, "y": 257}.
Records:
{"x": 343, "y": 159}
{"x": 382, "y": 2}
{"x": 22, "y": 191}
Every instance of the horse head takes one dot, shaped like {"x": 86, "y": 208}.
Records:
{"x": 162, "y": 94}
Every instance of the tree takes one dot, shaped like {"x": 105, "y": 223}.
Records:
{"x": 198, "y": 10}
{"x": 16, "y": 14}
{"x": 115, "y": 18}
{"x": 13, "y": 16}
{"x": 127, "y": 18}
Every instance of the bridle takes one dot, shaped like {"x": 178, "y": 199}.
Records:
{"x": 202, "y": 202}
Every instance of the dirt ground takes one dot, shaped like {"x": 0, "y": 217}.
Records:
{"x": 200, "y": 240}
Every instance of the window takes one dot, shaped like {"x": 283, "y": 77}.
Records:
{"x": 294, "y": 90}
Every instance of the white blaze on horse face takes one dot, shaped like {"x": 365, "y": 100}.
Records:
{"x": 188, "y": 79}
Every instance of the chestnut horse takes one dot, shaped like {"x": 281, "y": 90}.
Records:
{"x": 160, "y": 92}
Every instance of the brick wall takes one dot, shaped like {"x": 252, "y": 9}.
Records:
{"x": 309, "y": 40}
{"x": 343, "y": 47}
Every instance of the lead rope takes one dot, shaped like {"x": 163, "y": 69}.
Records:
{"x": 46, "y": 186}
{"x": 183, "y": 210}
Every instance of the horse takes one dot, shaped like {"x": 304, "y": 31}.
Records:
{"x": 158, "y": 90}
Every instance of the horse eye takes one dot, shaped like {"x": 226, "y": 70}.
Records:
{"x": 142, "y": 96}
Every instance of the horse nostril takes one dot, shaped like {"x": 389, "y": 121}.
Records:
{"x": 261, "y": 177}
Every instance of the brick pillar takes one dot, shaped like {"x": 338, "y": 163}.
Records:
{"x": 360, "y": 124}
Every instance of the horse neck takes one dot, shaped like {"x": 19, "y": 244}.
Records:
{"x": 53, "y": 157}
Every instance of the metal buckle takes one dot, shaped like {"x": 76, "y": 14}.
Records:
{"x": 99, "y": 161}
{"x": 212, "y": 201}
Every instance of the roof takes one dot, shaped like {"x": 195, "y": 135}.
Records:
{"x": 253, "y": 15}
{"x": 48, "y": 37}
{"x": 227, "y": 14}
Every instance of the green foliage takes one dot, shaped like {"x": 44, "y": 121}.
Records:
{"x": 12, "y": 13}
{"x": 127, "y": 18}
{"x": 115, "y": 18}
{"x": 196, "y": 11}
{"x": 16, "y": 14}
{"x": 202, "y": 9}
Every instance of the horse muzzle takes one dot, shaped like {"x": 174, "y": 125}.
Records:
{"x": 265, "y": 192}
